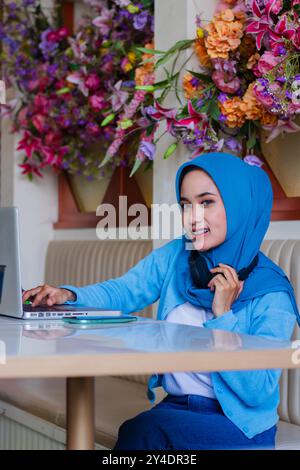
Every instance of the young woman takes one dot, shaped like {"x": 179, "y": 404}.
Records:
{"x": 224, "y": 282}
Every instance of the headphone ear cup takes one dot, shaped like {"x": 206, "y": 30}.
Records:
{"x": 199, "y": 270}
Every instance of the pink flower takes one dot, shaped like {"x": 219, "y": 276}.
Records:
{"x": 262, "y": 22}
{"x": 41, "y": 104}
{"x": 283, "y": 126}
{"x": 62, "y": 32}
{"x": 78, "y": 79}
{"x": 296, "y": 39}
{"x": 277, "y": 6}
{"x": 92, "y": 81}
{"x": 22, "y": 116}
{"x": 119, "y": 97}
{"x": 124, "y": 64}
{"x": 192, "y": 120}
{"x": 262, "y": 96}
{"x": 29, "y": 169}
{"x": 52, "y": 155}
{"x": 39, "y": 122}
{"x": 104, "y": 21}
{"x": 97, "y": 102}
{"x": 93, "y": 128}
{"x": 32, "y": 84}
{"x": 53, "y": 138}
{"x": 267, "y": 62}
{"x": 78, "y": 46}
{"x": 29, "y": 143}
{"x": 226, "y": 82}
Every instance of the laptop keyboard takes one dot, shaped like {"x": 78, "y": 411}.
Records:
{"x": 42, "y": 308}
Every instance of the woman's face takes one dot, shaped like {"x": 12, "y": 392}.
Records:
{"x": 203, "y": 210}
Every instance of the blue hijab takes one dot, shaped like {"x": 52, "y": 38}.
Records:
{"x": 248, "y": 198}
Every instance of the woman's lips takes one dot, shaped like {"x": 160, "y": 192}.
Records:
{"x": 198, "y": 235}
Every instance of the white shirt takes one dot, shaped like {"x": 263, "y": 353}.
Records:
{"x": 185, "y": 383}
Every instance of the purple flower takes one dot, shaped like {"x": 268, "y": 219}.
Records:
{"x": 222, "y": 97}
{"x": 253, "y": 160}
{"x": 48, "y": 48}
{"x": 281, "y": 79}
{"x": 148, "y": 149}
{"x": 233, "y": 144}
{"x": 139, "y": 21}
{"x": 129, "y": 84}
{"x": 150, "y": 110}
{"x": 194, "y": 82}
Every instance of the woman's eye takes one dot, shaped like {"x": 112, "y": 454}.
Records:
{"x": 209, "y": 201}
{"x": 188, "y": 206}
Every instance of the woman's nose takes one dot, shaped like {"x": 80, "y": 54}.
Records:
{"x": 197, "y": 215}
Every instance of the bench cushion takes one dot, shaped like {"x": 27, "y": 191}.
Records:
{"x": 46, "y": 398}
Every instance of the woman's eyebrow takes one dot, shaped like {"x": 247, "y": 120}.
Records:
{"x": 198, "y": 195}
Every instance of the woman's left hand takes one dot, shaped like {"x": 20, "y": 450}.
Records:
{"x": 227, "y": 289}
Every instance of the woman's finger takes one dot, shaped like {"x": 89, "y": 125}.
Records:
{"x": 227, "y": 273}
{"x": 30, "y": 293}
{"x": 232, "y": 271}
{"x": 41, "y": 295}
{"x": 218, "y": 277}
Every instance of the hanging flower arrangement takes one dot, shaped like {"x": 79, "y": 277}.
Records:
{"x": 248, "y": 79}
{"x": 70, "y": 86}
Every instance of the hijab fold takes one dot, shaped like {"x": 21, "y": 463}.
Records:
{"x": 247, "y": 196}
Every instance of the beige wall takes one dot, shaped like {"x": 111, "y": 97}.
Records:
{"x": 283, "y": 155}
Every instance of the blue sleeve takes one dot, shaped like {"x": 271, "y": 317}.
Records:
{"x": 273, "y": 317}
{"x": 139, "y": 287}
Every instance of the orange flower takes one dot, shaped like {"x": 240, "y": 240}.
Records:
{"x": 268, "y": 119}
{"x": 224, "y": 34}
{"x": 191, "y": 91}
{"x": 253, "y": 60}
{"x": 252, "y": 109}
{"x": 146, "y": 69}
{"x": 201, "y": 53}
{"x": 232, "y": 111}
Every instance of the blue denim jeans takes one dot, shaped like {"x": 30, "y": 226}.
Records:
{"x": 188, "y": 422}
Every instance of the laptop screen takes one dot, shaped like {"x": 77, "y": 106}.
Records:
{"x": 2, "y": 270}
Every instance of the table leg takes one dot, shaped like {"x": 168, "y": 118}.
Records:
{"x": 80, "y": 413}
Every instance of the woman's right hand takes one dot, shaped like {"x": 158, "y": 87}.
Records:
{"x": 48, "y": 295}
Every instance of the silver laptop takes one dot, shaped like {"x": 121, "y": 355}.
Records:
{"x": 10, "y": 278}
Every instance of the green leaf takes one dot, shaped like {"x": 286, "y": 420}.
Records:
{"x": 136, "y": 166}
{"x": 201, "y": 76}
{"x": 149, "y": 51}
{"x": 126, "y": 123}
{"x": 213, "y": 110}
{"x": 75, "y": 66}
{"x": 148, "y": 166}
{"x": 179, "y": 46}
{"x": 108, "y": 119}
{"x": 170, "y": 150}
{"x": 145, "y": 87}
{"x": 105, "y": 160}
{"x": 251, "y": 142}
{"x": 297, "y": 8}
{"x": 63, "y": 90}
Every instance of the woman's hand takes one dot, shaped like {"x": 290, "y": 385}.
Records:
{"x": 48, "y": 295}
{"x": 227, "y": 289}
